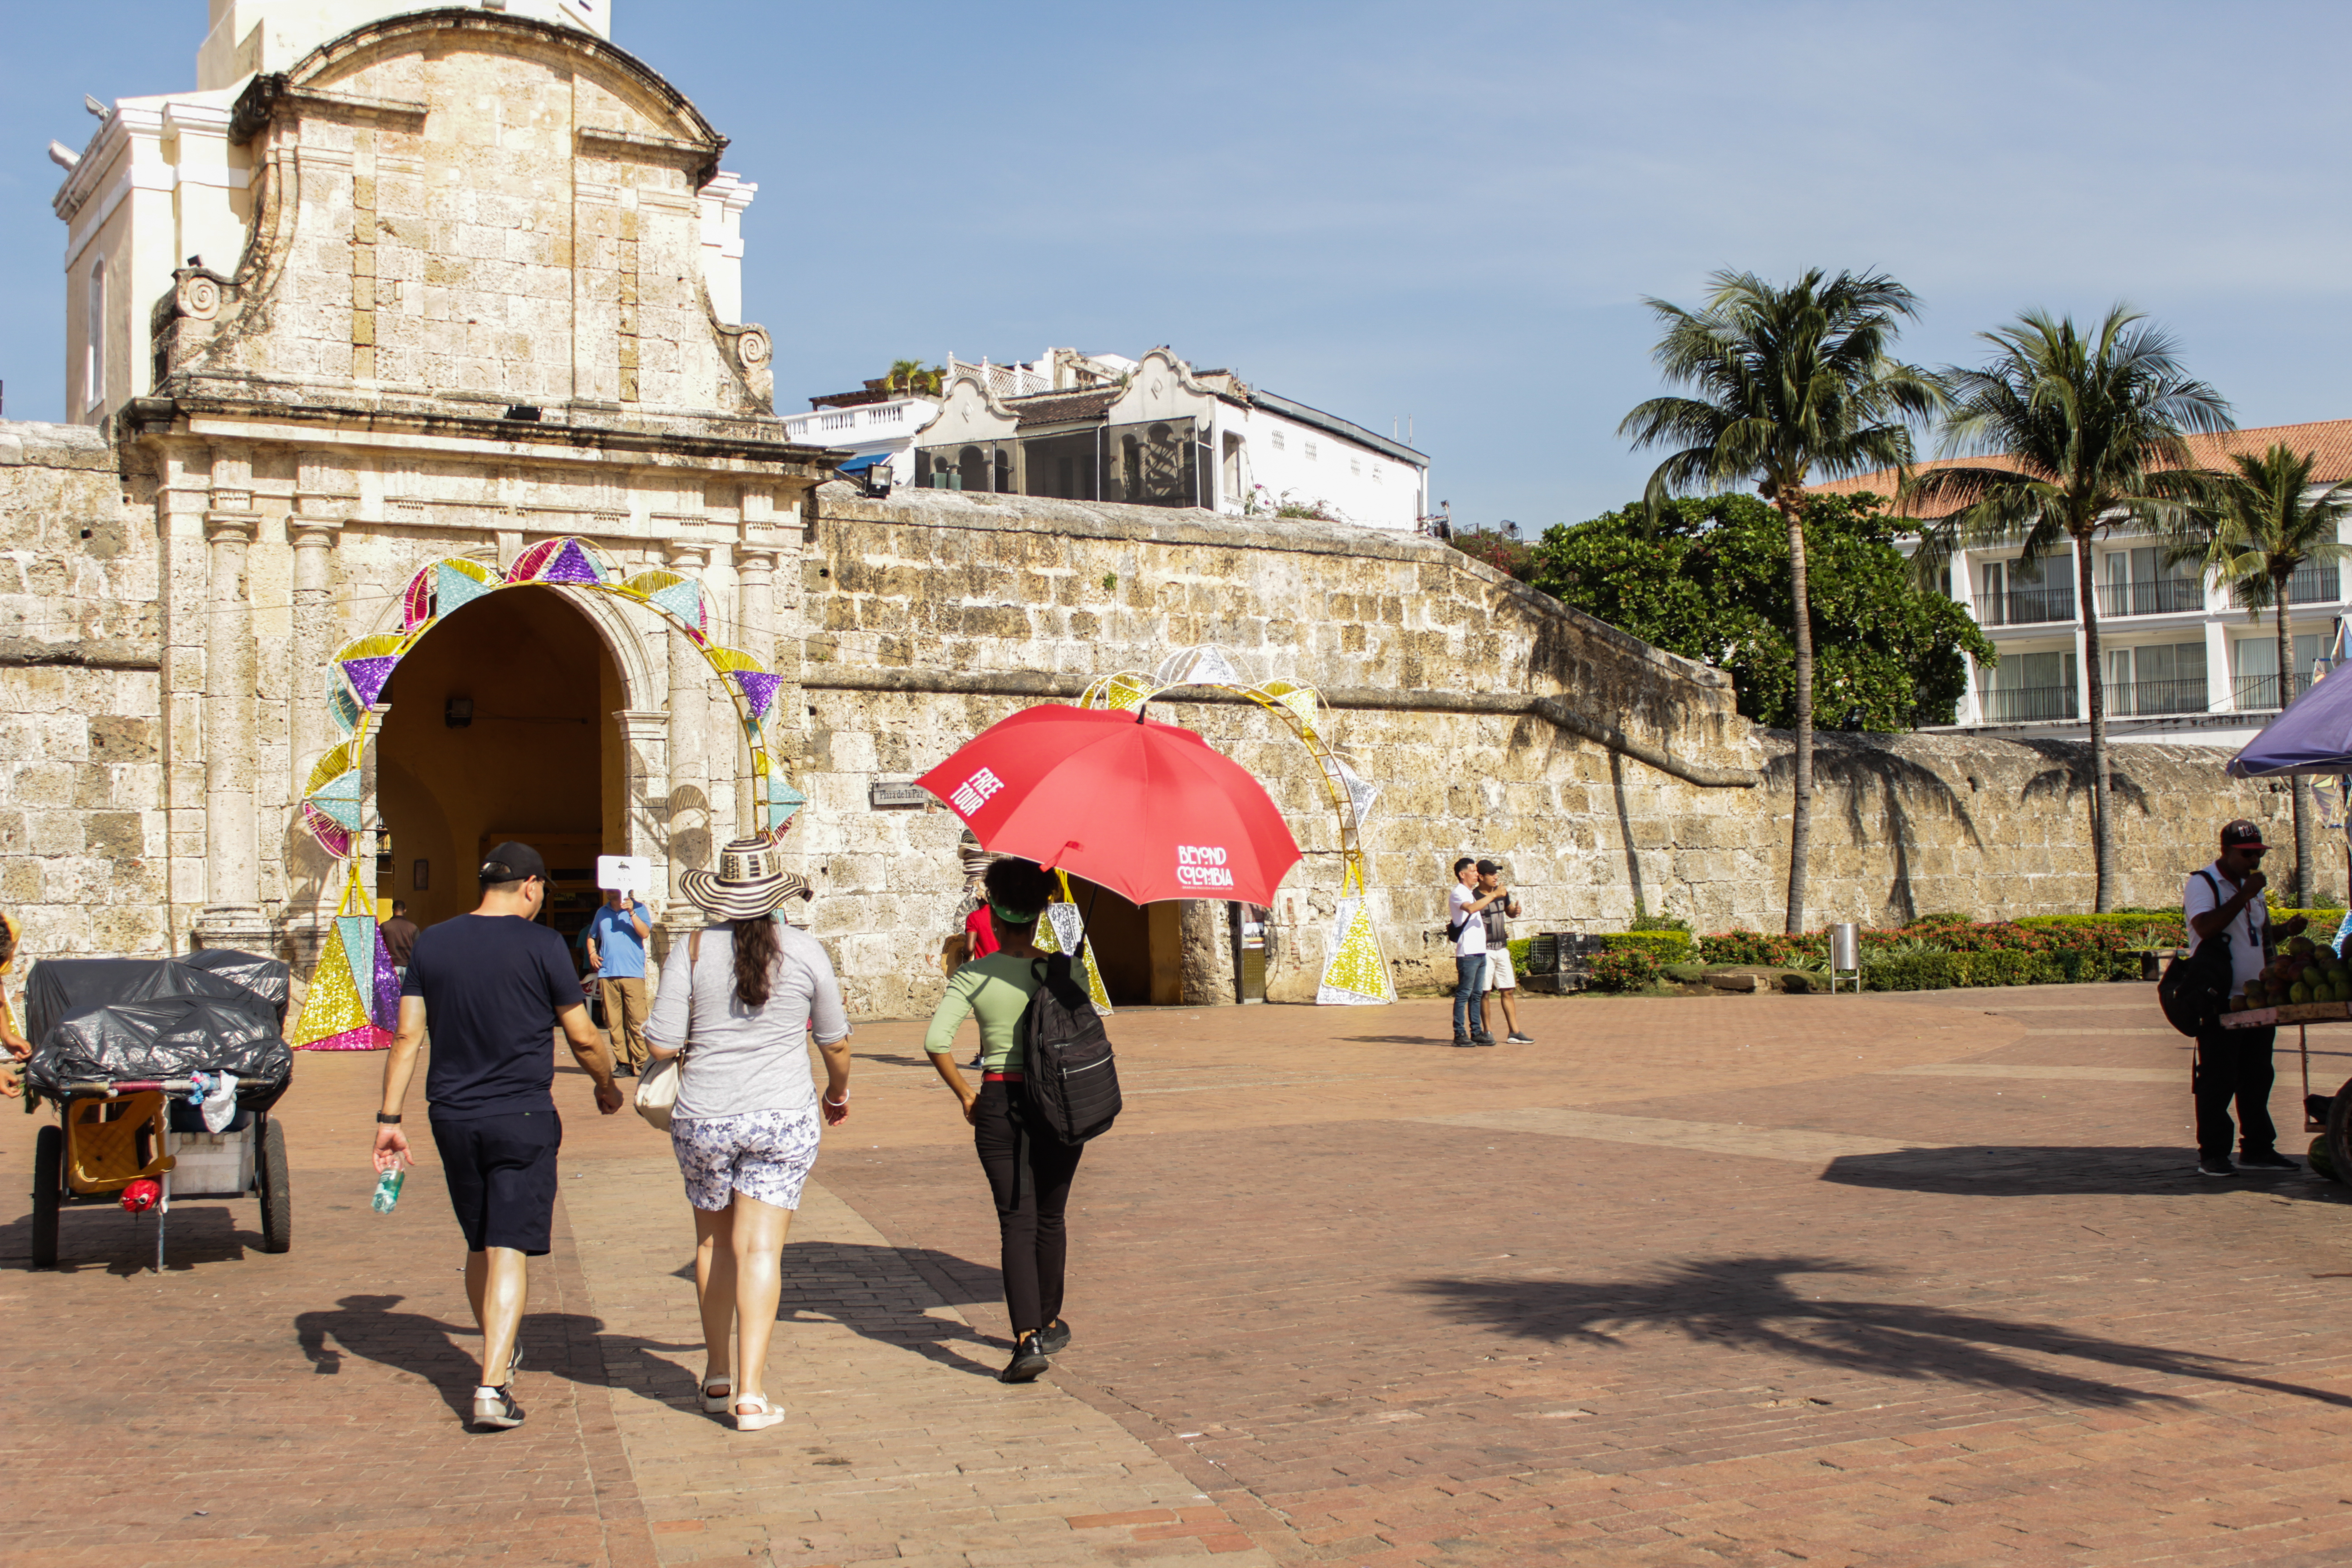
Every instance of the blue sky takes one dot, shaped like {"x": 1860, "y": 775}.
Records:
{"x": 1444, "y": 212}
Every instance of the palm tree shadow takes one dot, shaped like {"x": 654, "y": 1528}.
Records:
{"x": 1748, "y": 1304}
{"x": 2072, "y": 776}
{"x": 1856, "y": 764}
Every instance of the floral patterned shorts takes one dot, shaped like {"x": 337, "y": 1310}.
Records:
{"x": 763, "y": 1154}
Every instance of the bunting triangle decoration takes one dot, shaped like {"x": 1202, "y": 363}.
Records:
{"x": 571, "y": 564}
{"x": 368, "y": 675}
{"x": 454, "y": 587}
{"x": 1357, "y": 976}
{"x": 335, "y": 1016}
{"x": 759, "y": 690}
{"x": 783, "y": 801}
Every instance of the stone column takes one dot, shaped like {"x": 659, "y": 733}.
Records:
{"x": 314, "y": 638}
{"x": 688, "y": 819}
{"x": 645, "y": 766}
{"x": 233, "y": 915}
{"x": 755, "y": 568}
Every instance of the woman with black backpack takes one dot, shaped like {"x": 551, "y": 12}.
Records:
{"x": 1029, "y": 1166}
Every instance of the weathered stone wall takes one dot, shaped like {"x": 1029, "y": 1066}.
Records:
{"x": 82, "y": 820}
{"x": 924, "y": 611}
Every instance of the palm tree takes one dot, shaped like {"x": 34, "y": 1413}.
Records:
{"x": 1790, "y": 382}
{"x": 2092, "y": 431}
{"x": 2265, "y": 523}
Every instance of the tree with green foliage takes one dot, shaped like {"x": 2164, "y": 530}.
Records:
{"x": 2088, "y": 432}
{"x": 2267, "y": 522}
{"x": 1791, "y": 383}
{"x": 1710, "y": 579}
{"x": 912, "y": 375}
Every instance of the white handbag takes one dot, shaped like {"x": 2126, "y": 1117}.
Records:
{"x": 658, "y": 1086}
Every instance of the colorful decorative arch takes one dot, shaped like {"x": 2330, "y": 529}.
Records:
{"x": 1356, "y": 974}
{"x": 353, "y": 1004}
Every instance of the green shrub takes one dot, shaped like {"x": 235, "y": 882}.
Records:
{"x": 1519, "y": 946}
{"x": 1771, "y": 951}
{"x": 1664, "y": 947}
{"x": 1625, "y": 969}
{"x": 1660, "y": 923}
{"x": 1923, "y": 969}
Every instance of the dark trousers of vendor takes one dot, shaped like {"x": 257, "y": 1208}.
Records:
{"x": 2234, "y": 1064}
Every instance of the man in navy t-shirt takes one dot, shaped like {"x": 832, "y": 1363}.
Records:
{"x": 494, "y": 986}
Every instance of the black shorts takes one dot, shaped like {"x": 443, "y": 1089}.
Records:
{"x": 502, "y": 1177}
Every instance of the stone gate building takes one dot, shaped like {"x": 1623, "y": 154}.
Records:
{"x": 448, "y": 285}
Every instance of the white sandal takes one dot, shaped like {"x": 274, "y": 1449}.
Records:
{"x": 719, "y": 1403}
{"x": 766, "y": 1415}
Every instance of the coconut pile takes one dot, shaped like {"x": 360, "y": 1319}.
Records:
{"x": 2306, "y": 971}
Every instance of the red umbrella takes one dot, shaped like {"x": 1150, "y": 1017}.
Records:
{"x": 1146, "y": 810}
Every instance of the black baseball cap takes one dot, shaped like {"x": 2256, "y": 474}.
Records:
{"x": 1488, "y": 868}
{"x": 2242, "y": 835}
{"x": 511, "y": 862}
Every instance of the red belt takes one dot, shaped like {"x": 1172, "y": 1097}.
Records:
{"x": 999, "y": 1078}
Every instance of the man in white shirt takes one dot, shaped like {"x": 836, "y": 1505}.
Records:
{"x": 1464, "y": 910}
{"x": 2235, "y": 1063}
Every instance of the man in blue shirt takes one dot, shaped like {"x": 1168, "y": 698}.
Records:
{"x": 616, "y": 953}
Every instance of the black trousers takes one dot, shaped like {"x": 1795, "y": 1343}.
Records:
{"x": 1029, "y": 1172}
{"x": 2234, "y": 1064}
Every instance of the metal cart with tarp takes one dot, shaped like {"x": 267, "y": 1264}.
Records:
{"x": 162, "y": 1073}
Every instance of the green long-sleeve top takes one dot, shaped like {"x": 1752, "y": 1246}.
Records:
{"x": 994, "y": 990}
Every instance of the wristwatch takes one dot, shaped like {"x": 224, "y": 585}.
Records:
{"x": 383, "y": 1120}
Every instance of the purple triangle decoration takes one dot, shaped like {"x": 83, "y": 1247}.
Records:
{"x": 386, "y": 1014}
{"x": 759, "y": 689}
{"x": 570, "y": 566}
{"x": 367, "y": 676}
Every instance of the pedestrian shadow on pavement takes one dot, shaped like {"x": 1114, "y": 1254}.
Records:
{"x": 567, "y": 1344}
{"x": 2042, "y": 1170}
{"x": 1750, "y": 1304}
{"x": 876, "y": 1293}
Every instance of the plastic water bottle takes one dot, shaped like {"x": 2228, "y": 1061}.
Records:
{"x": 387, "y": 1190}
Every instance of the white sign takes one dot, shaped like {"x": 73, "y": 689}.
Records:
{"x": 626, "y": 873}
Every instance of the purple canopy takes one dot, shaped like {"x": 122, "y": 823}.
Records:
{"x": 2313, "y": 735}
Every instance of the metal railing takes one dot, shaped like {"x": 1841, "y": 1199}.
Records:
{"x": 2151, "y": 596}
{"x": 2308, "y": 585}
{"x": 2027, "y": 704}
{"x": 2140, "y": 698}
{"x": 2259, "y": 693}
{"x": 2026, "y": 606}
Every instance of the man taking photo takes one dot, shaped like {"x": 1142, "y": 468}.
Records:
{"x": 2235, "y": 1063}
{"x": 616, "y": 954}
{"x": 494, "y": 986}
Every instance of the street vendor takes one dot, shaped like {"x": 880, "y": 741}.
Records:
{"x": 18, "y": 1048}
{"x": 2235, "y": 1063}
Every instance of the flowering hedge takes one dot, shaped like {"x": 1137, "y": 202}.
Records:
{"x": 1625, "y": 969}
{"x": 1945, "y": 949}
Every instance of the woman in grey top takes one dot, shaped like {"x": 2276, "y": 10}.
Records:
{"x": 738, "y": 998}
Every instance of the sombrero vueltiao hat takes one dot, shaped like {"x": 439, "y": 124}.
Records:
{"x": 750, "y": 881}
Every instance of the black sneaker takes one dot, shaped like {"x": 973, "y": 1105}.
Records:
{"x": 1514, "y": 1037}
{"x": 497, "y": 1408}
{"x": 1054, "y": 1338}
{"x": 1482, "y": 1038}
{"x": 623, "y": 1071}
{"x": 1027, "y": 1362}
{"x": 2271, "y": 1160}
{"x": 2220, "y": 1167}
{"x": 1464, "y": 1040}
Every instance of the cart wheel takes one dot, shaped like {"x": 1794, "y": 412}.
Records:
{"x": 2339, "y": 1132}
{"x": 49, "y": 1194}
{"x": 277, "y": 1194}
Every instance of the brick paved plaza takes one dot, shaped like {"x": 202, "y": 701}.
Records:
{"x": 1749, "y": 1281}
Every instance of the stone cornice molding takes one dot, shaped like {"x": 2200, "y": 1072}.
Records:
{"x": 270, "y": 96}
{"x": 665, "y": 444}
{"x": 310, "y": 531}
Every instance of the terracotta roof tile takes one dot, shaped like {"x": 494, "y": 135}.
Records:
{"x": 2329, "y": 440}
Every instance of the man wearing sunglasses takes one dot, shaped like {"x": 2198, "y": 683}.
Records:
{"x": 2235, "y": 1063}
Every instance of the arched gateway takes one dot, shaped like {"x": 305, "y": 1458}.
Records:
{"x": 354, "y": 1000}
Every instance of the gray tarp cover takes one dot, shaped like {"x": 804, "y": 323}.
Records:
{"x": 153, "y": 1018}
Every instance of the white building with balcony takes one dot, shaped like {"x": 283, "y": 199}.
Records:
{"x": 1151, "y": 431}
{"x": 2185, "y": 662}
